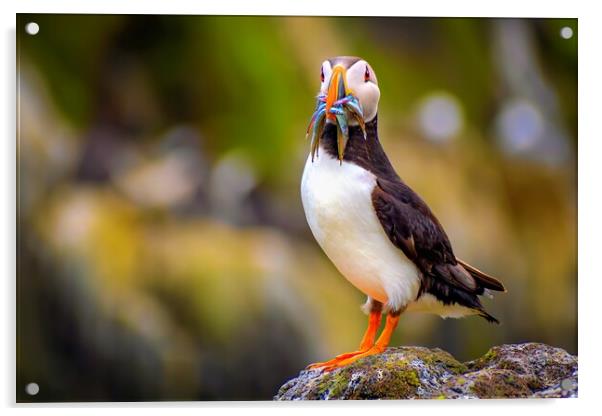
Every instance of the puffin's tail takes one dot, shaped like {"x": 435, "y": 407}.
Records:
{"x": 490, "y": 318}
{"x": 485, "y": 283}
{"x": 483, "y": 279}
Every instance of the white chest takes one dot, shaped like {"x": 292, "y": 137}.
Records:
{"x": 338, "y": 205}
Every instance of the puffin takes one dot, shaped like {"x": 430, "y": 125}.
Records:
{"x": 379, "y": 234}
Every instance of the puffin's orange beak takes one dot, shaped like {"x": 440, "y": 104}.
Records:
{"x": 337, "y": 88}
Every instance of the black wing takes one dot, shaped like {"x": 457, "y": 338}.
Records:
{"x": 412, "y": 227}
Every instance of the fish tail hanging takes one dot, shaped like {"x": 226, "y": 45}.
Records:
{"x": 342, "y": 134}
{"x": 311, "y": 123}
{"x": 316, "y": 134}
{"x": 352, "y": 105}
{"x": 316, "y": 125}
{"x": 360, "y": 121}
{"x": 340, "y": 144}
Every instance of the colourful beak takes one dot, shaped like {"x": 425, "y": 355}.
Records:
{"x": 337, "y": 89}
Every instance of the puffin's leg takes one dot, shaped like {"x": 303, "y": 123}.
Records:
{"x": 374, "y": 319}
{"x": 377, "y": 348}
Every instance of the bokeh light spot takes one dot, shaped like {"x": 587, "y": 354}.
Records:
{"x": 32, "y": 389}
{"x": 566, "y": 32}
{"x": 519, "y": 126}
{"x": 440, "y": 117}
{"x": 32, "y": 28}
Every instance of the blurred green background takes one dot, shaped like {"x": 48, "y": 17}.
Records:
{"x": 163, "y": 253}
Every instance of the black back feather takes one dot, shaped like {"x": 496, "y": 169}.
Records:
{"x": 411, "y": 226}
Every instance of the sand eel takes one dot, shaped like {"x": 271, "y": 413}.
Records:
{"x": 378, "y": 233}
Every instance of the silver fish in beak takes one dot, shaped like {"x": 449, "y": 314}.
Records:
{"x": 338, "y": 106}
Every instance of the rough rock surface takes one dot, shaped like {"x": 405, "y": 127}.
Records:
{"x": 515, "y": 370}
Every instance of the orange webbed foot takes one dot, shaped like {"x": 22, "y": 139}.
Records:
{"x": 367, "y": 341}
{"x": 365, "y": 345}
{"x": 335, "y": 360}
{"x": 349, "y": 360}
{"x": 368, "y": 346}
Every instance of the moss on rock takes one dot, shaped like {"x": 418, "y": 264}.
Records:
{"x": 520, "y": 370}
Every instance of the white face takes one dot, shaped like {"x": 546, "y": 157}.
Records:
{"x": 361, "y": 82}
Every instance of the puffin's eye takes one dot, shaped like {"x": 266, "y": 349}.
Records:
{"x": 367, "y": 74}
{"x": 322, "y": 74}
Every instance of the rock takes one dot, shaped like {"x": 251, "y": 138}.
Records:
{"x": 506, "y": 371}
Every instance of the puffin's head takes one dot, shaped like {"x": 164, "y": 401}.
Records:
{"x": 348, "y": 75}
{"x": 348, "y": 95}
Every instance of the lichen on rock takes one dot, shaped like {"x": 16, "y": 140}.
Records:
{"x": 506, "y": 371}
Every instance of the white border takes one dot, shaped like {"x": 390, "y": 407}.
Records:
{"x": 590, "y": 201}
{"x": 518, "y": 8}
